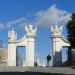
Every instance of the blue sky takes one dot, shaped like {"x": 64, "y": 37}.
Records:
{"x": 42, "y": 13}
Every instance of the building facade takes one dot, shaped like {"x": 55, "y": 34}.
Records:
{"x": 3, "y": 55}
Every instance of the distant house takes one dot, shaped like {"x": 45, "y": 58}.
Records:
{"x": 3, "y": 55}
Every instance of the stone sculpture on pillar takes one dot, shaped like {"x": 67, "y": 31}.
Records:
{"x": 56, "y": 30}
{"x": 30, "y": 30}
{"x": 12, "y": 35}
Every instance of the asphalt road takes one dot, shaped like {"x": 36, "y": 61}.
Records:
{"x": 31, "y": 73}
{"x": 37, "y": 70}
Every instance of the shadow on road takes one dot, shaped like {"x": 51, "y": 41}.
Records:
{"x": 32, "y": 73}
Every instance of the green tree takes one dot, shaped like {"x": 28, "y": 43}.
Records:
{"x": 48, "y": 59}
{"x": 71, "y": 37}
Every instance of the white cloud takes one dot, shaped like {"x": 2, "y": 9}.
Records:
{"x": 2, "y": 26}
{"x": 18, "y": 23}
{"x": 51, "y": 16}
{"x": 42, "y": 18}
{"x": 15, "y": 22}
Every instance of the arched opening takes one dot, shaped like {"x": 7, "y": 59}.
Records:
{"x": 57, "y": 59}
{"x": 64, "y": 56}
{"x": 61, "y": 57}
{"x": 20, "y": 55}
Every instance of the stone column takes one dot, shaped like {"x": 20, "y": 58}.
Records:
{"x": 12, "y": 36}
{"x": 57, "y": 54}
{"x": 11, "y": 54}
{"x": 30, "y": 51}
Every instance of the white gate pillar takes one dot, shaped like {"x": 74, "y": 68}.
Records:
{"x": 57, "y": 51}
{"x": 11, "y": 54}
{"x": 31, "y": 35}
{"x": 11, "y": 48}
{"x": 30, "y": 51}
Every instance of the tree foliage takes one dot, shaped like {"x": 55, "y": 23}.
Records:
{"x": 71, "y": 31}
{"x": 71, "y": 37}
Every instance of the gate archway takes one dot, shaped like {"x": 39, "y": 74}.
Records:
{"x": 27, "y": 41}
{"x": 58, "y": 42}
